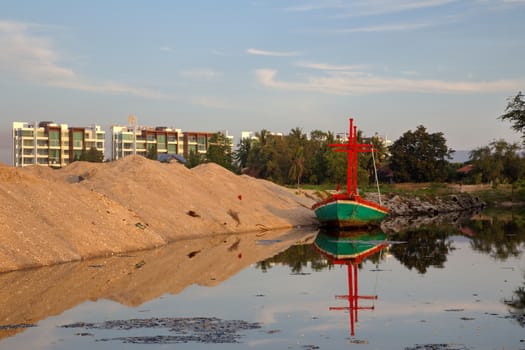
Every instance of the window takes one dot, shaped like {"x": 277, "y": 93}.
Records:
{"x": 202, "y": 143}
{"x": 161, "y": 141}
{"x": 54, "y": 156}
{"x": 54, "y": 138}
{"x": 78, "y": 138}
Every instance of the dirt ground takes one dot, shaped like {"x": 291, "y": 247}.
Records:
{"x": 87, "y": 210}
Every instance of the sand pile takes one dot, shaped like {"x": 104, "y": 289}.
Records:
{"x": 87, "y": 209}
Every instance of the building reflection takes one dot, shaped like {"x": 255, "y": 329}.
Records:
{"x": 350, "y": 249}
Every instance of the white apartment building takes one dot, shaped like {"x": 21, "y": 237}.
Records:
{"x": 55, "y": 145}
{"x": 128, "y": 140}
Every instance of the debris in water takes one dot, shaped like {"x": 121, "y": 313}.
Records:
{"x": 207, "y": 330}
{"x": 84, "y": 334}
{"x": 437, "y": 347}
{"x": 16, "y": 326}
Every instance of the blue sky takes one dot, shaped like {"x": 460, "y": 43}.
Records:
{"x": 248, "y": 65}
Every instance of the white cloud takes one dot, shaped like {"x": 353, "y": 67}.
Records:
{"x": 369, "y": 8}
{"x": 324, "y": 66}
{"x": 201, "y": 74}
{"x": 355, "y": 83}
{"x": 258, "y": 52}
{"x": 398, "y": 27}
{"x": 33, "y": 58}
{"x": 315, "y": 5}
{"x": 392, "y": 6}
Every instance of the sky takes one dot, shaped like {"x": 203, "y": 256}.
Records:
{"x": 251, "y": 65}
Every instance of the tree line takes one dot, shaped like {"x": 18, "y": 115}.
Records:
{"x": 417, "y": 156}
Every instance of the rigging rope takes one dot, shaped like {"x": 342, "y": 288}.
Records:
{"x": 377, "y": 180}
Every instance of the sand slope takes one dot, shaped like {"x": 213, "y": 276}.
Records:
{"x": 86, "y": 209}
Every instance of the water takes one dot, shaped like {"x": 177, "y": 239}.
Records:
{"x": 441, "y": 287}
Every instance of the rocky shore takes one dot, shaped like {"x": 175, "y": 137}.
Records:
{"x": 410, "y": 211}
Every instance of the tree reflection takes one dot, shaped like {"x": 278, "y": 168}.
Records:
{"x": 297, "y": 258}
{"x": 500, "y": 237}
{"x": 424, "y": 247}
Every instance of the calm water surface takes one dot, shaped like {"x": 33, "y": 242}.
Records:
{"x": 447, "y": 287}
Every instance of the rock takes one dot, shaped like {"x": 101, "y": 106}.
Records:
{"x": 415, "y": 206}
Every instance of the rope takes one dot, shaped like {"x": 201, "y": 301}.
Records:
{"x": 377, "y": 180}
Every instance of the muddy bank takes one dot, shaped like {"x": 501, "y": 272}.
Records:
{"x": 87, "y": 210}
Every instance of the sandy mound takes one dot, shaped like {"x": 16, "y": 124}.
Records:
{"x": 86, "y": 209}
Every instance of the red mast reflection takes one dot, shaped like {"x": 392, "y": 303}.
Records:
{"x": 352, "y": 263}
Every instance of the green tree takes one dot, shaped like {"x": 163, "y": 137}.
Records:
{"x": 515, "y": 113}
{"x": 268, "y": 157}
{"x": 296, "y": 144}
{"x": 297, "y": 169}
{"x": 194, "y": 159}
{"x": 315, "y": 163}
{"x": 418, "y": 156}
{"x": 499, "y": 162}
{"x": 220, "y": 151}
{"x": 336, "y": 162}
{"x": 92, "y": 155}
{"x": 241, "y": 155}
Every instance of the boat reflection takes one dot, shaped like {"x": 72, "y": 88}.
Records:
{"x": 350, "y": 249}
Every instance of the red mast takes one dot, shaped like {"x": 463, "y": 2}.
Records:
{"x": 352, "y": 148}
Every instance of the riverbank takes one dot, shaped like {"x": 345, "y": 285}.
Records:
{"x": 90, "y": 210}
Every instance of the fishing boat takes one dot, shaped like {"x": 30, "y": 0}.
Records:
{"x": 351, "y": 250}
{"x": 349, "y": 210}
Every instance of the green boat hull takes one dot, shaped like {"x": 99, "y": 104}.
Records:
{"x": 349, "y": 214}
